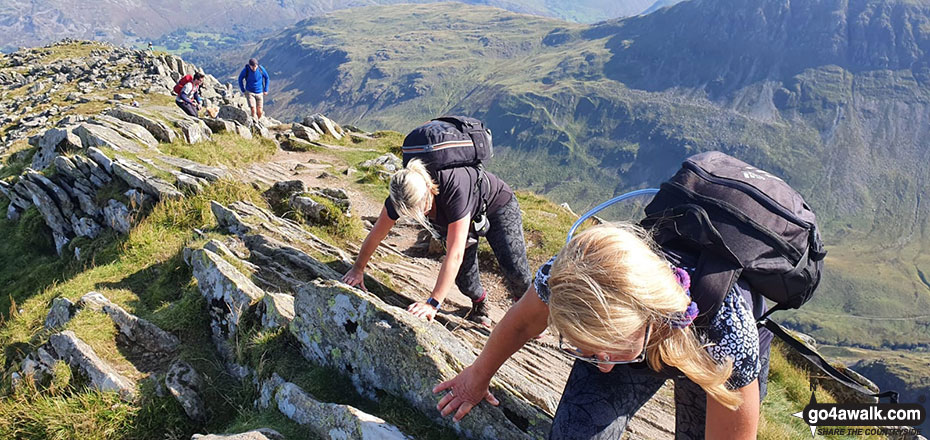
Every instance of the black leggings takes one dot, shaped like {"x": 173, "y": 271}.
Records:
{"x": 506, "y": 239}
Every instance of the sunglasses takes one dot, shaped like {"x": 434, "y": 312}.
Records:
{"x": 575, "y": 353}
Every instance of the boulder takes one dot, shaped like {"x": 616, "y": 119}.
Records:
{"x": 190, "y": 184}
{"x": 194, "y": 130}
{"x": 60, "y": 313}
{"x": 326, "y": 126}
{"x": 330, "y": 420}
{"x": 220, "y": 125}
{"x": 52, "y": 142}
{"x": 117, "y": 216}
{"x": 186, "y": 385}
{"x": 100, "y": 159}
{"x": 305, "y": 133}
{"x": 85, "y": 227}
{"x": 93, "y": 301}
{"x": 310, "y": 210}
{"x": 77, "y": 354}
{"x": 137, "y": 176}
{"x": 283, "y": 190}
{"x": 158, "y": 129}
{"x": 233, "y": 113}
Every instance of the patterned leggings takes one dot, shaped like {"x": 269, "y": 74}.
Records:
{"x": 506, "y": 239}
{"x": 598, "y": 405}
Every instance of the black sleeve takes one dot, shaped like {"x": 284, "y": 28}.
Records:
{"x": 389, "y": 207}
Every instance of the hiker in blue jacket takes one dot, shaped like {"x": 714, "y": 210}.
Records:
{"x": 255, "y": 88}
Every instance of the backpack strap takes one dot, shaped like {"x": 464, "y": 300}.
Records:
{"x": 822, "y": 364}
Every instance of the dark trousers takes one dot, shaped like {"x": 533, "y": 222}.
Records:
{"x": 187, "y": 107}
{"x": 505, "y": 236}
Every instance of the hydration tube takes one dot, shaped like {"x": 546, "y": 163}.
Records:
{"x": 598, "y": 208}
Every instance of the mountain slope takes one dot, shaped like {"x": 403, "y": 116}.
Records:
{"x": 830, "y": 95}
{"x": 42, "y": 21}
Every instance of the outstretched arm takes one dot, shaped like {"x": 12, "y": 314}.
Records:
{"x": 456, "y": 238}
{"x": 526, "y": 319}
{"x": 740, "y": 424}
{"x": 356, "y": 275}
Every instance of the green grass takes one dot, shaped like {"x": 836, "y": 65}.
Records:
{"x": 224, "y": 149}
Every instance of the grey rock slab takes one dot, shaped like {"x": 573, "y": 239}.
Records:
{"x": 330, "y": 420}
{"x": 228, "y": 292}
{"x": 68, "y": 168}
{"x": 86, "y": 227}
{"x": 258, "y": 434}
{"x": 19, "y": 195}
{"x": 58, "y": 194}
{"x": 141, "y": 333}
{"x": 93, "y": 135}
{"x": 116, "y": 215}
{"x": 327, "y": 125}
{"x": 277, "y": 310}
{"x": 311, "y": 210}
{"x": 48, "y": 208}
{"x": 60, "y": 313}
{"x": 383, "y": 347}
{"x": 129, "y": 130}
{"x": 190, "y": 184}
{"x": 101, "y": 159}
{"x": 157, "y": 128}
{"x": 76, "y": 353}
{"x": 186, "y": 385}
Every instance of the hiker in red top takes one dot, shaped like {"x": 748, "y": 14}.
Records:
{"x": 188, "y": 91}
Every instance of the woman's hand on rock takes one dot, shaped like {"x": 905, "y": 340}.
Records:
{"x": 356, "y": 278}
{"x": 466, "y": 391}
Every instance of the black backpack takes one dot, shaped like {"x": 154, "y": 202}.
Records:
{"x": 742, "y": 222}
{"x": 449, "y": 142}
{"x": 452, "y": 142}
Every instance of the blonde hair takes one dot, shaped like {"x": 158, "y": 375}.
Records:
{"x": 608, "y": 283}
{"x": 411, "y": 191}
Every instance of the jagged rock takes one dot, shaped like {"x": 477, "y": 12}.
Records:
{"x": 101, "y": 159}
{"x": 233, "y": 113}
{"x": 229, "y": 294}
{"x": 277, "y": 310}
{"x": 77, "y": 354}
{"x": 93, "y": 301}
{"x": 258, "y": 434}
{"x": 190, "y": 184}
{"x": 227, "y": 218}
{"x": 338, "y": 196}
{"x": 61, "y": 241}
{"x": 158, "y": 129}
{"x": 220, "y": 125}
{"x": 59, "y": 195}
{"x": 325, "y": 125}
{"x": 52, "y": 142}
{"x": 85, "y": 227}
{"x": 141, "y": 333}
{"x": 185, "y": 384}
{"x": 60, "y": 313}
{"x": 47, "y": 207}
{"x": 98, "y": 175}
{"x": 384, "y": 347}
{"x": 117, "y": 216}
{"x": 329, "y": 420}
{"x": 93, "y": 135}
{"x": 137, "y": 199}
{"x": 128, "y": 130}
{"x": 388, "y": 161}
{"x": 243, "y": 131}
{"x": 12, "y": 213}
{"x": 68, "y": 168}
{"x": 305, "y": 133}
{"x": 18, "y": 195}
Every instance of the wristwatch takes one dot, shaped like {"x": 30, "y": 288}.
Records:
{"x": 432, "y": 301}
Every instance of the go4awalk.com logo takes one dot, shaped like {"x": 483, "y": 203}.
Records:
{"x": 884, "y": 419}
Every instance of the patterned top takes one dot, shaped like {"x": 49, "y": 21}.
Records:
{"x": 732, "y": 333}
